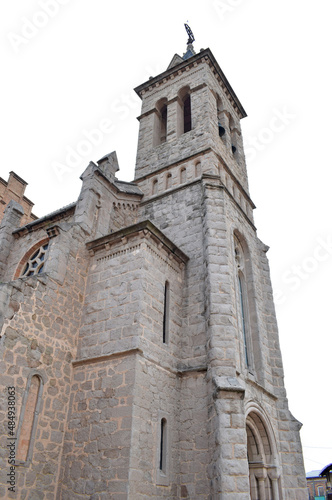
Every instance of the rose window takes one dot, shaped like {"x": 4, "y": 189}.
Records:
{"x": 36, "y": 262}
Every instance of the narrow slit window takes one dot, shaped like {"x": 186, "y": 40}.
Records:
{"x": 163, "y": 438}
{"x": 186, "y": 114}
{"x": 28, "y": 422}
{"x": 243, "y": 318}
{"x": 160, "y": 123}
{"x": 184, "y": 118}
{"x": 166, "y": 314}
{"x": 163, "y": 124}
{"x": 155, "y": 186}
{"x": 183, "y": 175}
{"x": 168, "y": 181}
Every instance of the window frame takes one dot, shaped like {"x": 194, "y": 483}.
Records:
{"x": 37, "y": 410}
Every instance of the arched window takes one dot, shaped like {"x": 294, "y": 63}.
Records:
{"x": 160, "y": 127}
{"x": 234, "y": 138}
{"x": 28, "y": 419}
{"x": 248, "y": 326}
{"x": 184, "y": 111}
{"x": 242, "y": 296}
{"x": 198, "y": 169}
{"x": 168, "y": 180}
{"x": 155, "y": 186}
{"x": 222, "y": 120}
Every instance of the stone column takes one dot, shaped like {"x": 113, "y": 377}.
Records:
{"x": 261, "y": 475}
{"x": 274, "y": 475}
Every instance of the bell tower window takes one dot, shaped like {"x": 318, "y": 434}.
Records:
{"x": 187, "y": 114}
{"x": 160, "y": 127}
{"x": 163, "y": 124}
{"x": 184, "y": 111}
{"x": 221, "y": 119}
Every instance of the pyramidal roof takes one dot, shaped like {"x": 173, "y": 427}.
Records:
{"x": 178, "y": 59}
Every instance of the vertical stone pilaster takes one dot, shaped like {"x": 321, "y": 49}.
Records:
{"x": 221, "y": 333}
{"x": 11, "y": 220}
{"x": 172, "y": 119}
{"x": 231, "y": 439}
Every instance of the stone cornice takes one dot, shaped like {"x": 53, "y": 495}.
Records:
{"x": 106, "y": 357}
{"x": 145, "y": 229}
{"x": 45, "y": 221}
{"x": 203, "y": 56}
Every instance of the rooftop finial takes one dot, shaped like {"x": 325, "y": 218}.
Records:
{"x": 190, "y": 48}
{"x": 191, "y": 38}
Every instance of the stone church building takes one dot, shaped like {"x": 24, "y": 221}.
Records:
{"x": 139, "y": 340}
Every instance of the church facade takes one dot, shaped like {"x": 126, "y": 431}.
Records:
{"x": 139, "y": 339}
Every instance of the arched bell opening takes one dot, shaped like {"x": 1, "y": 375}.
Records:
{"x": 160, "y": 125}
{"x": 184, "y": 111}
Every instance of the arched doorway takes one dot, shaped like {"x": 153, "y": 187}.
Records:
{"x": 263, "y": 469}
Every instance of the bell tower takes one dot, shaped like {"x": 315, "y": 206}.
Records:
{"x": 138, "y": 329}
{"x": 191, "y": 168}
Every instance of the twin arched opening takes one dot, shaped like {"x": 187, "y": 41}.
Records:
{"x": 162, "y": 116}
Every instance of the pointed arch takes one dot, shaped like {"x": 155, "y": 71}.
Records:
{"x": 246, "y": 306}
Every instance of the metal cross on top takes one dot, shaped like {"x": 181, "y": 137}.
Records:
{"x": 191, "y": 38}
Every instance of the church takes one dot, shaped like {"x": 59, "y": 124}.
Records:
{"x": 139, "y": 347}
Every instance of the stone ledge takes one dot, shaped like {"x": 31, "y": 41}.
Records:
{"x": 148, "y": 229}
{"x": 228, "y": 385}
{"x": 100, "y": 359}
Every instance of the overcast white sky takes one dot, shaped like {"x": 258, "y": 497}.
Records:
{"x": 69, "y": 67}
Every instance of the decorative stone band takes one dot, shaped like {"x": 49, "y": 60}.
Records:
{"x": 187, "y": 371}
{"x": 144, "y": 229}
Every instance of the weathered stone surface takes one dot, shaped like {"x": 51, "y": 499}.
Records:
{"x": 158, "y": 375}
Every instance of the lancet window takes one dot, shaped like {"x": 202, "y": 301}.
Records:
{"x": 242, "y": 299}
{"x": 28, "y": 419}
